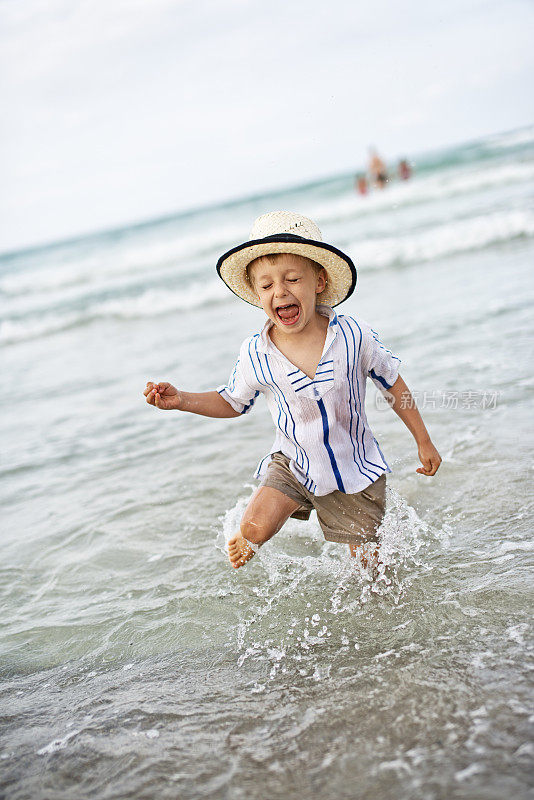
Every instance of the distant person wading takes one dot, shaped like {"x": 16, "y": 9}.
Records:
{"x": 377, "y": 170}
{"x": 404, "y": 170}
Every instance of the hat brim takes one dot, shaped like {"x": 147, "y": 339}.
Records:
{"x": 342, "y": 277}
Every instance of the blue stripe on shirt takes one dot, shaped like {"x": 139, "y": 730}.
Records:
{"x": 278, "y": 403}
{"x": 325, "y": 372}
{"x": 380, "y": 380}
{"x": 381, "y": 453}
{"x": 358, "y": 460}
{"x": 231, "y": 382}
{"x": 246, "y": 408}
{"x": 278, "y": 395}
{"x": 326, "y": 431}
{"x": 379, "y": 343}
{"x": 326, "y": 380}
{"x": 294, "y": 441}
{"x": 271, "y": 387}
{"x": 367, "y": 460}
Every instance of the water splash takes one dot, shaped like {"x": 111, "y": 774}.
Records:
{"x": 300, "y": 608}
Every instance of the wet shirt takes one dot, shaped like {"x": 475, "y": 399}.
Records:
{"x": 321, "y": 425}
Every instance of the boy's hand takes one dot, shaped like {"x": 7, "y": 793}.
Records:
{"x": 162, "y": 395}
{"x": 429, "y": 458}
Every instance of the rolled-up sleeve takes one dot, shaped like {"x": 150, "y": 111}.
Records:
{"x": 240, "y": 392}
{"x": 381, "y": 365}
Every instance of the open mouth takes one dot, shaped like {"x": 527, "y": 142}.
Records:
{"x": 289, "y": 314}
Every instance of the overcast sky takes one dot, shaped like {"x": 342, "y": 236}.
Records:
{"x": 115, "y": 111}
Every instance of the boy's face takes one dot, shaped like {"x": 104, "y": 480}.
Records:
{"x": 287, "y": 288}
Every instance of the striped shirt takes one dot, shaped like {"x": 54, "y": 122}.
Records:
{"x": 321, "y": 425}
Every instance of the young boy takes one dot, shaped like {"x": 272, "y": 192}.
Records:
{"x": 312, "y": 366}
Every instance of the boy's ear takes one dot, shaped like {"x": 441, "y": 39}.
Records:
{"x": 322, "y": 280}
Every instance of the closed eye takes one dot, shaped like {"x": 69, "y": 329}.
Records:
{"x": 267, "y": 287}
{"x": 293, "y": 280}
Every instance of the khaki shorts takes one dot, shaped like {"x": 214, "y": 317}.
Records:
{"x": 346, "y": 518}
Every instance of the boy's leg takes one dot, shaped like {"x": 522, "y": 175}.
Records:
{"x": 354, "y": 519}
{"x": 265, "y": 514}
{"x": 367, "y": 553}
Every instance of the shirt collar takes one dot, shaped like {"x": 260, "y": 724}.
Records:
{"x": 265, "y": 344}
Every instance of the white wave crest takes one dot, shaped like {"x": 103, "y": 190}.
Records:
{"x": 442, "y": 240}
{"x": 157, "y": 301}
{"x": 150, "y": 303}
{"x": 446, "y": 184}
{"x": 133, "y": 256}
{"x": 512, "y": 138}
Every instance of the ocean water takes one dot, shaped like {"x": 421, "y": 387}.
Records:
{"x": 135, "y": 662}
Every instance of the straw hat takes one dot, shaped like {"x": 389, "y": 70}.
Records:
{"x": 286, "y": 232}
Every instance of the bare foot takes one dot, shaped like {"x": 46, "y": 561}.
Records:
{"x": 368, "y": 557}
{"x": 239, "y": 551}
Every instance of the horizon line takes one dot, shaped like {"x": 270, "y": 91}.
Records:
{"x": 230, "y": 201}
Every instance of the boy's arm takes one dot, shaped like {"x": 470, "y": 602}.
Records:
{"x": 208, "y": 404}
{"x": 404, "y": 406}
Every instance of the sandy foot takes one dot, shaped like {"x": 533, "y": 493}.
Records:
{"x": 239, "y": 551}
{"x": 367, "y": 555}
